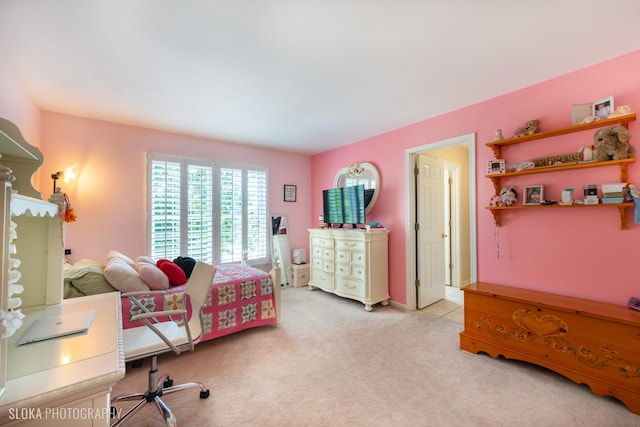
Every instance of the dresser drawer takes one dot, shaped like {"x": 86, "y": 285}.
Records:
{"x": 351, "y": 257}
{"x": 321, "y": 252}
{"x": 350, "y": 271}
{"x": 350, "y": 286}
{"x": 323, "y": 264}
{"x": 321, "y": 279}
{"x": 322, "y": 241}
{"x": 351, "y": 245}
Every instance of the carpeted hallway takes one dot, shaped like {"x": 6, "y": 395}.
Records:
{"x": 331, "y": 363}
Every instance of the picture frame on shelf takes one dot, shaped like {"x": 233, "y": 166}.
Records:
{"x": 602, "y": 107}
{"x": 579, "y": 112}
{"x": 290, "y": 193}
{"x": 496, "y": 166}
{"x": 532, "y": 194}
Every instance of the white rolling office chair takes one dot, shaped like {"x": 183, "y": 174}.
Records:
{"x": 154, "y": 338}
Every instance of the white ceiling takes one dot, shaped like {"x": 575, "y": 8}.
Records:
{"x": 300, "y": 75}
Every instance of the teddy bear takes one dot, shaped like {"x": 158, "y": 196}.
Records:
{"x": 531, "y": 127}
{"x": 612, "y": 143}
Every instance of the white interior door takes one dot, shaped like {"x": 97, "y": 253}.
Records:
{"x": 431, "y": 235}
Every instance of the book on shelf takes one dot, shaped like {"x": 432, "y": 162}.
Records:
{"x": 616, "y": 187}
{"x": 612, "y": 194}
{"x": 612, "y": 200}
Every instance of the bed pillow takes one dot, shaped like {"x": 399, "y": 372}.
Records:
{"x": 153, "y": 276}
{"x": 186, "y": 264}
{"x": 123, "y": 257}
{"x": 145, "y": 259}
{"x": 175, "y": 274}
{"x": 123, "y": 276}
{"x": 92, "y": 284}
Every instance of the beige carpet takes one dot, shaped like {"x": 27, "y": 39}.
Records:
{"x": 330, "y": 363}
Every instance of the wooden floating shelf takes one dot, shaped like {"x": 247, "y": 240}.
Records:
{"x": 496, "y": 146}
{"x": 562, "y": 167}
{"x": 622, "y": 164}
{"x": 622, "y": 210}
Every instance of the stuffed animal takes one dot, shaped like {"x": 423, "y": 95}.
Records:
{"x": 531, "y": 127}
{"x": 496, "y": 201}
{"x": 586, "y": 153}
{"x": 612, "y": 143}
{"x": 508, "y": 195}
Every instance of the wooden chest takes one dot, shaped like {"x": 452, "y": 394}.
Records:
{"x": 589, "y": 342}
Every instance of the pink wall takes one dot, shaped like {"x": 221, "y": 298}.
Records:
{"x": 580, "y": 253}
{"x": 109, "y": 197}
{"x": 566, "y": 251}
{"x": 17, "y": 106}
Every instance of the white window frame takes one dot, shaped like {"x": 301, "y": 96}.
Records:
{"x": 264, "y": 256}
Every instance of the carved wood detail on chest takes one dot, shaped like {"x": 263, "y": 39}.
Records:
{"x": 588, "y": 342}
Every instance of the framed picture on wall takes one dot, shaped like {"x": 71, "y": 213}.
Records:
{"x": 532, "y": 195}
{"x": 290, "y": 193}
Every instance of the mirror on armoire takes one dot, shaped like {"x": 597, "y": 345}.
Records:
{"x": 280, "y": 248}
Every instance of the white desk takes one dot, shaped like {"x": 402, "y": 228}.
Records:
{"x": 66, "y": 381}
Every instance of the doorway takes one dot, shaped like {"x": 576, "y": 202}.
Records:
{"x": 429, "y": 264}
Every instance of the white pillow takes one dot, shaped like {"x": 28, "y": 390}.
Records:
{"x": 153, "y": 276}
{"x": 123, "y": 276}
{"x": 123, "y": 257}
{"x": 146, "y": 259}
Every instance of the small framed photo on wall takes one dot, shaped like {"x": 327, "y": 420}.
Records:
{"x": 532, "y": 195}
{"x": 290, "y": 193}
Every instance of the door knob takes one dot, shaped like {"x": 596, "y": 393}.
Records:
{"x": 444, "y": 236}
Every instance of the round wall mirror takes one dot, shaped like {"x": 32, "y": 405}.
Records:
{"x": 360, "y": 173}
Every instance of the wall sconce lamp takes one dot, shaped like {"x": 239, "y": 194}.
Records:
{"x": 55, "y": 177}
{"x": 69, "y": 176}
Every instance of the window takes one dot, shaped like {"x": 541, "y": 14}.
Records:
{"x": 211, "y": 211}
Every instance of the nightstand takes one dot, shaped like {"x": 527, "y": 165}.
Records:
{"x": 300, "y": 275}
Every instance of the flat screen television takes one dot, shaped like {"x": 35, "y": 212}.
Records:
{"x": 344, "y": 205}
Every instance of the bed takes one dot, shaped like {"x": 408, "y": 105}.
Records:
{"x": 241, "y": 297}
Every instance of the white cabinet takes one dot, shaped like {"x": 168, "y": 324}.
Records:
{"x": 351, "y": 263}
{"x": 68, "y": 380}
{"x": 300, "y": 275}
{"x": 31, "y": 231}
{"x": 72, "y": 376}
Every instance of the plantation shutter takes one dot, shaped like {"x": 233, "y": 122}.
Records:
{"x": 206, "y": 210}
{"x": 258, "y": 228}
{"x": 231, "y": 221}
{"x": 165, "y": 209}
{"x": 200, "y": 236}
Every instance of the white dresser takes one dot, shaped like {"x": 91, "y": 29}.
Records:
{"x": 351, "y": 263}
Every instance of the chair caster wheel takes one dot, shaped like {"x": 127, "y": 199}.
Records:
{"x": 204, "y": 394}
{"x": 168, "y": 383}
